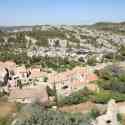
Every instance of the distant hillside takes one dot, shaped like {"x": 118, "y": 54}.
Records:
{"x": 85, "y": 43}
{"x": 105, "y": 26}
{"x": 110, "y": 26}
{"x": 14, "y": 28}
{"x": 99, "y": 37}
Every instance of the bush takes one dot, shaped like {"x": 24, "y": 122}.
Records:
{"x": 19, "y": 84}
{"x": 76, "y": 97}
{"x": 114, "y": 84}
{"x": 112, "y": 78}
{"x": 119, "y": 117}
{"x": 118, "y": 97}
{"x": 50, "y": 91}
{"x": 104, "y": 96}
{"x": 45, "y": 79}
{"x": 92, "y": 61}
{"x": 18, "y": 106}
{"x": 101, "y": 97}
{"x": 3, "y": 94}
{"x": 4, "y": 121}
{"x": 94, "y": 113}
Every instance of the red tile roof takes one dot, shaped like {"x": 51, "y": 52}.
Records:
{"x": 76, "y": 78}
{"x": 79, "y": 74}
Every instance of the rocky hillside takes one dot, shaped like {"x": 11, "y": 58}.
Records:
{"x": 98, "y": 41}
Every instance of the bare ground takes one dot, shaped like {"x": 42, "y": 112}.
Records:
{"x": 82, "y": 108}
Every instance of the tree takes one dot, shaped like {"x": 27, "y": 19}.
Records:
{"x": 21, "y": 41}
{"x": 19, "y": 84}
{"x": 2, "y": 43}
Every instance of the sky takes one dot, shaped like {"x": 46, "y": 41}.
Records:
{"x": 55, "y": 12}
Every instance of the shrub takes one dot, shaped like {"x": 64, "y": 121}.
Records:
{"x": 45, "y": 79}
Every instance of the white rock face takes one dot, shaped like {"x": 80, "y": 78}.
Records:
{"x": 110, "y": 118}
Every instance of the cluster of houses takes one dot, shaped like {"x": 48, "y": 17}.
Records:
{"x": 20, "y": 83}
{"x": 72, "y": 80}
{"x": 28, "y": 85}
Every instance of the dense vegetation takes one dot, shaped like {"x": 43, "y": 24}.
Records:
{"x": 43, "y": 36}
{"x": 35, "y": 115}
{"x": 77, "y": 97}
{"x": 56, "y": 63}
{"x": 97, "y": 97}
{"x": 10, "y": 41}
{"x": 112, "y": 84}
{"x": 112, "y": 78}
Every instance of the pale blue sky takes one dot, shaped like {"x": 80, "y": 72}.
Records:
{"x": 28, "y": 12}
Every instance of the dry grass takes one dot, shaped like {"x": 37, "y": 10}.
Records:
{"x": 83, "y": 108}
{"x": 123, "y": 119}
{"x": 6, "y": 108}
